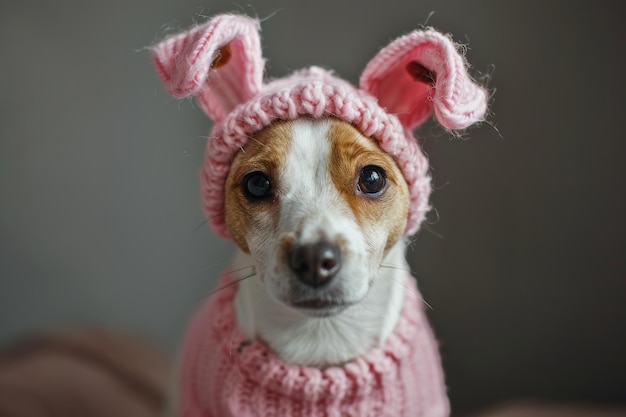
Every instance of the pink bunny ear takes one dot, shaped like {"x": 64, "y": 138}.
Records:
{"x": 421, "y": 71}
{"x": 220, "y": 62}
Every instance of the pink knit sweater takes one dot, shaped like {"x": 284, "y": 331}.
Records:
{"x": 225, "y": 374}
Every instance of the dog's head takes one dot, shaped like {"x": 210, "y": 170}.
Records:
{"x": 314, "y": 177}
{"x": 317, "y": 205}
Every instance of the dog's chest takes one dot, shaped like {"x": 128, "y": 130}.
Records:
{"x": 225, "y": 373}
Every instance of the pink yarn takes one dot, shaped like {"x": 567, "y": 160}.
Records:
{"x": 458, "y": 102}
{"x": 223, "y": 374}
{"x": 184, "y": 63}
{"x": 389, "y": 103}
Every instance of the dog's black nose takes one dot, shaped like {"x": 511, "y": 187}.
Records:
{"x": 315, "y": 264}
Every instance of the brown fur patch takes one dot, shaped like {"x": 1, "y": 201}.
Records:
{"x": 265, "y": 152}
{"x": 285, "y": 245}
{"x": 351, "y": 152}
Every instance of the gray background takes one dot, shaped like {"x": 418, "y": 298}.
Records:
{"x": 523, "y": 265}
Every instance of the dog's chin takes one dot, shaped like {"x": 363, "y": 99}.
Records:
{"x": 318, "y": 307}
{"x": 325, "y": 302}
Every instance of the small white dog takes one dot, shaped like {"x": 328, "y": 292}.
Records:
{"x": 318, "y": 183}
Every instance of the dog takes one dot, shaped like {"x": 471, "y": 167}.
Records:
{"x": 319, "y": 184}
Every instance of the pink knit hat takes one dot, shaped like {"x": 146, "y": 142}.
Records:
{"x": 220, "y": 63}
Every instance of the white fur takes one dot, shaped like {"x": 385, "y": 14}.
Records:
{"x": 311, "y": 208}
{"x": 321, "y": 341}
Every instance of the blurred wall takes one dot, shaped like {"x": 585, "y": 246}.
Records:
{"x": 523, "y": 260}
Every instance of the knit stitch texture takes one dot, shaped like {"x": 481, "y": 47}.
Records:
{"x": 221, "y": 64}
{"x": 224, "y": 374}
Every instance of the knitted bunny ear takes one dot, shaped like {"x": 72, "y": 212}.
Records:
{"x": 420, "y": 72}
{"x": 220, "y": 62}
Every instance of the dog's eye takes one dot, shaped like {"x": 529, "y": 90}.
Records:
{"x": 372, "y": 180}
{"x": 257, "y": 185}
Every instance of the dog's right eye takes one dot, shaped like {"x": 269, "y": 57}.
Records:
{"x": 257, "y": 185}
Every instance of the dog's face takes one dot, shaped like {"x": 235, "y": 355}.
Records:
{"x": 317, "y": 205}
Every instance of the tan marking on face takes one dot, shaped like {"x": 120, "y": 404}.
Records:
{"x": 285, "y": 246}
{"x": 351, "y": 152}
{"x": 264, "y": 152}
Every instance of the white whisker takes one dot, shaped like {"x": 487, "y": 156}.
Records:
{"x": 233, "y": 282}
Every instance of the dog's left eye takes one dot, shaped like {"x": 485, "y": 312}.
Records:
{"x": 372, "y": 180}
{"x": 257, "y": 185}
